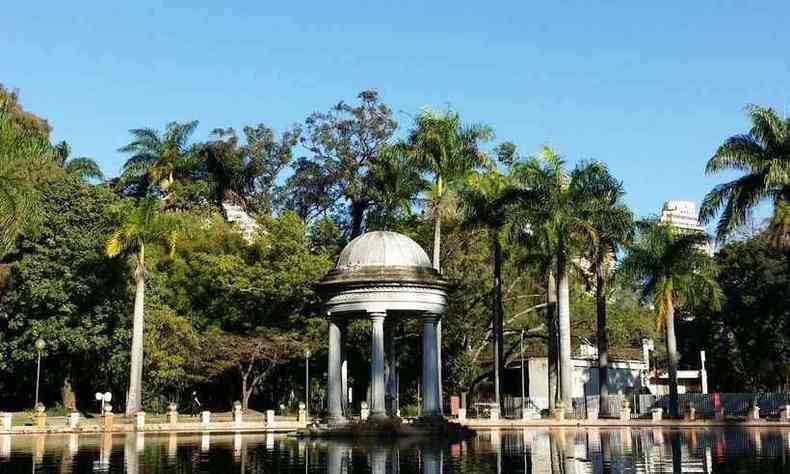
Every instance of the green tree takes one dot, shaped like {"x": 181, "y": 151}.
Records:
{"x": 61, "y": 287}
{"x": 158, "y": 160}
{"x": 443, "y": 146}
{"x": 748, "y": 342}
{"x": 484, "y": 203}
{"x": 82, "y": 167}
{"x": 245, "y": 174}
{"x": 672, "y": 270}
{"x": 763, "y": 154}
{"x": 25, "y": 158}
{"x": 396, "y": 182}
{"x": 562, "y": 216}
{"x": 346, "y": 143}
{"x": 143, "y": 224}
{"x": 613, "y": 224}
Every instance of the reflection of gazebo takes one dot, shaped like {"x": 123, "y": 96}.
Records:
{"x": 383, "y": 275}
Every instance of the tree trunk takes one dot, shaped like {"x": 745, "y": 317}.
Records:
{"x": 437, "y": 227}
{"x": 551, "y": 324}
{"x": 437, "y": 250}
{"x": 135, "y": 395}
{"x": 246, "y": 393}
{"x": 603, "y": 339}
{"x": 563, "y": 303}
{"x": 357, "y": 214}
{"x": 672, "y": 361}
{"x": 498, "y": 326}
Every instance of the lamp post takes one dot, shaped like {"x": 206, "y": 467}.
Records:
{"x": 40, "y": 345}
{"x": 523, "y": 394}
{"x": 307, "y": 382}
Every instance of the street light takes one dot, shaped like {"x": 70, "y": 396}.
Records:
{"x": 307, "y": 382}
{"x": 40, "y": 345}
{"x": 523, "y": 395}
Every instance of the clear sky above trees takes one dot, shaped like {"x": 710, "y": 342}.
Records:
{"x": 650, "y": 89}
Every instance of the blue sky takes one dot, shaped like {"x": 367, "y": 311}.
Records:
{"x": 650, "y": 90}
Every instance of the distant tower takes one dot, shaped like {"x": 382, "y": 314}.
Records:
{"x": 684, "y": 217}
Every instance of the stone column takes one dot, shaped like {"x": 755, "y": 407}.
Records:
{"x": 430, "y": 367}
{"x": 334, "y": 374}
{"x": 377, "y": 405}
{"x": 392, "y": 372}
{"x": 344, "y": 367}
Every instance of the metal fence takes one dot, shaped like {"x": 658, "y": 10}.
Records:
{"x": 705, "y": 404}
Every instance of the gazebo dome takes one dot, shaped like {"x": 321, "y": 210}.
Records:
{"x": 382, "y": 248}
{"x": 383, "y": 269}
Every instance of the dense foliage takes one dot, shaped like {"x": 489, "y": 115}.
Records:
{"x": 228, "y": 304}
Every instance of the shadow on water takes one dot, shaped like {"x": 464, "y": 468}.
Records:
{"x": 561, "y": 451}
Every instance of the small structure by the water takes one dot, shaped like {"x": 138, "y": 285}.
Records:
{"x": 383, "y": 276}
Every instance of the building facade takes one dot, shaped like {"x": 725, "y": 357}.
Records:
{"x": 683, "y": 216}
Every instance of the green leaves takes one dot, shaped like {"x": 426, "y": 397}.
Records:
{"x": 763, "y": 155}
{"x": 143, "y": 223}
{"x": 670, "y": 267}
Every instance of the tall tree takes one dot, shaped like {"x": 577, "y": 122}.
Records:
{"x": 25, "y": 157}
{"x": 763, "y": 155}
{"x": 345, "y": 142}
{"x": 396, "y": 183}
{"x": 142, "y": 225}
{"x": 485, "y": 201}
{"x": 448, "y": 149}
{"x": 245, "y": 172}
{"x": 158, "y": 160}
{"x": 612, "y": 222}
{"x": 672, "y": 270}
{"x": 82, "y": 167}
{"x": 563, "y": 216}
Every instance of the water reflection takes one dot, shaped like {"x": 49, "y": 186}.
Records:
{"x": 566, "y": 451}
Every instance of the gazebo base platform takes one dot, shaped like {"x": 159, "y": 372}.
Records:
{"x": 390, "y": 428}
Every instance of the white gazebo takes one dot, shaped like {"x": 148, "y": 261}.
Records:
{"x": 383, "y": 276}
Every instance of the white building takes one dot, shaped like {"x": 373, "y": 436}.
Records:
{"x": 625, "y": 376}
{"x": 243, "y": 221}
{"x": 683, "y": 216}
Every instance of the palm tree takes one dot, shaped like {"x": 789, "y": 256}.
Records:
{"x": 83, "y": 167}
{"x": 671, "y": 269}
{"x": 396, "y": 183}
{"x": 245, "y": 174}
{"x": 485, "y": 202}
{"x": 562, "y": 216}
{"x": 142, "y": 225}
{"x": 443, "y": 146}
{"x": 25, "y": 156}
{"x": 763, "y": 155}
{"x": 613, "y": 225}
{"x": 536, "y": 253}
{"x": 158, "y": 160}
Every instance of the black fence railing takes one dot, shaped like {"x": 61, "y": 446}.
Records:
{"x": 705, "y": 404}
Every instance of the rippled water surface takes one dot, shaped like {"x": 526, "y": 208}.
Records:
{"x": 507, "y": 451}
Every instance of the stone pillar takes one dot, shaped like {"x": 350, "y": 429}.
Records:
{"x": 344, "y": 368}
{"x": 6, "y": 421}
{"x": 334, "y": 374}
{"x": 139, "y": 422}
{"x": 392, "y": 369}
{"x": 430, "y": 367}
{"x": 377, "y": 402}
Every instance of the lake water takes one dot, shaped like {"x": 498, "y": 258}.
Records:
{"x": 566, "y": 451}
